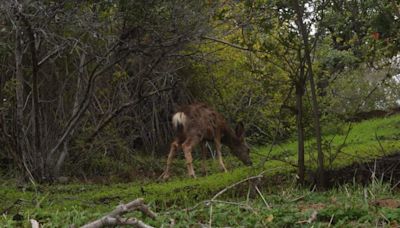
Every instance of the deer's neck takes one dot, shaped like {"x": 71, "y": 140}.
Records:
{"x": 230, "y": 139}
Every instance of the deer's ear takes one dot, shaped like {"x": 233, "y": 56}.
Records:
{"x": 240, "y": 130}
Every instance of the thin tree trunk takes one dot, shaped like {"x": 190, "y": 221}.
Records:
{"x": 321, "y": 179}
{"x": 75, "y": 109}
{"x": 19, "y": 91}
{"x": 300, "y": 132}
{"x": 37, "y": 150}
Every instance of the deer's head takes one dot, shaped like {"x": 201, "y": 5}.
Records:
{"x": 240, "y": 148}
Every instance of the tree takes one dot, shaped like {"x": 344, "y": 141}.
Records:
{"x": 305, "y": 33}
{"x": 65, "y": 56}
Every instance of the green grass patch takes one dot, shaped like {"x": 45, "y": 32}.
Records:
{"x": 365, "y": 141}
{"x": 63, "y": 205}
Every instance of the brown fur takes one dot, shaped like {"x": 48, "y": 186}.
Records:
{"x": 198, "y": 123}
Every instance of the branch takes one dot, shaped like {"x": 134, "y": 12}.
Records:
{"x": 113, "y": 218}
{"x": 110, "y": 221}
{"x": 278, "y": 127}
{"x": 73, "y": 121}
{"x": 51, "y": 54}
{"x": 235, "y": 184}
{"x": 117, "y": 111}
{"x": 35, "y": 86}
{"x": 226, "y": 43}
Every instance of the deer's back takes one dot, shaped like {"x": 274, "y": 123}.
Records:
{"x": 202, "y": 121}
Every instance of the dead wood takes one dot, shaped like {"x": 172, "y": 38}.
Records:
{"x": 114, "y": 217}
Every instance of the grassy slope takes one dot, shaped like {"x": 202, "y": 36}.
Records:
{"x": 78, "y": 203}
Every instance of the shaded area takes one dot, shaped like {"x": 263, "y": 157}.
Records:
{"x": 386, "y": 168}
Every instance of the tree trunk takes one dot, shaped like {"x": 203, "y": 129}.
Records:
{"x": 75, "y": 109}
{"x": 39, "y": 171}
{"x": 321, "y": 179}
{"x": 19, "y": 92}
{"x": 300, "y": 132}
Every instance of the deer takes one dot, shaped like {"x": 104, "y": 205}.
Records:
{"x": 198, "y": 123}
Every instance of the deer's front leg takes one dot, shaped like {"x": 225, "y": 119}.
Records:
{"x": 187, "y": 147}
{"x": 204, "y": 157}
{"x": 217, "y": 142}
{"x": 172, "y": 152}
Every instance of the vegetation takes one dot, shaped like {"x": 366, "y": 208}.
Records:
{"x": 88, "y": 89}
{"x": 62, "y": 205}
{"x": 289, "y": 206}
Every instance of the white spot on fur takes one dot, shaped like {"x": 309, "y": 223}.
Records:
{"x": 179, "y": 118}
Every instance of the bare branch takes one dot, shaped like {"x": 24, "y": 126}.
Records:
{"x": 113, "y": 218}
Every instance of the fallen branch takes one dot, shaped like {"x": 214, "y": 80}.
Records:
{"x": 262, "y": 197}
{"x": 113, "y": 218}
{"x": 310, "y": 220}
{"x": 226, "y": 189}
{"x": 235, "y": 184}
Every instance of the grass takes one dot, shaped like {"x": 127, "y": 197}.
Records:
{"x": 347, "y": 206}
{"x": 63, "y": 205}
{"x": 365, "y": 141}
{"x": 289, "y": 206}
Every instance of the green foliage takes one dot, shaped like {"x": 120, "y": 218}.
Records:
{"x": 244, "y": 86}
{"x": 360, "y": 90}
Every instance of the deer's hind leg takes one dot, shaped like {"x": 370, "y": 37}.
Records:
{"x": 172, "y": 152}
{"x": 187, "y": 148}
{"x": 217, "y": 142}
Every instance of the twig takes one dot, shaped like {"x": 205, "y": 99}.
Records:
{"x": 227, "y": 43}
{"x": 303, "y": 196}
{"x": 262, "y": 197}
{"x": 380, "y": 144}
{"x": 331, "y": 220}
{"x": 210, "y": 220}
{"x": 384, "y": 217}
{"x": 248, "y": 194}
{"x": 275, "y": 137}
{"x": 214, "y": 200}
{"x": 232, "y": 203}
{"x": 298, "y": 198}
{"x": 312, "y": 218}
{"x": 226, "y": 189}
{"x": 235, "y": 184}
{"x": 394, "y": 186}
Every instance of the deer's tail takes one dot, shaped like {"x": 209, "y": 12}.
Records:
{"x": 179, "y": 121}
